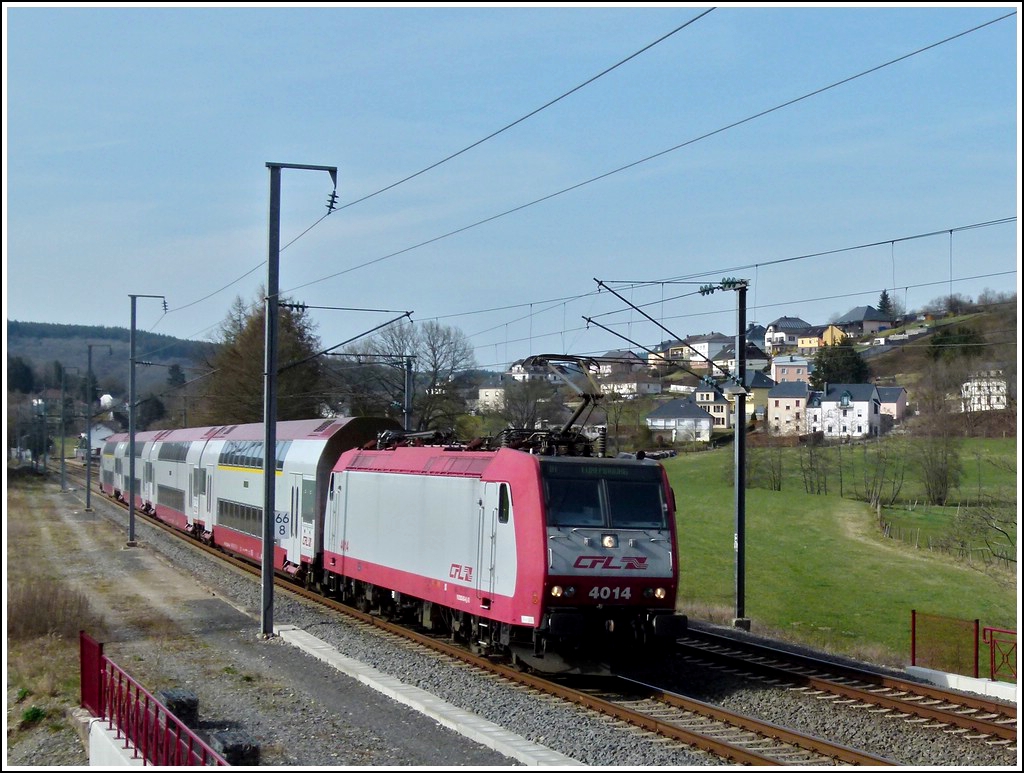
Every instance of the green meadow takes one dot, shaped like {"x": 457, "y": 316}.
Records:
{"x": 831, "y": 571}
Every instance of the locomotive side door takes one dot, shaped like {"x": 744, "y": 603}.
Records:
{"x": 496, "y": 554}
{"x": 486, "y": 540}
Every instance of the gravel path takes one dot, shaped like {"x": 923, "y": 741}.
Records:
{"x": 305, "y": 714}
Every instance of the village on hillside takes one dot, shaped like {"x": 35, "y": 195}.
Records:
{"x": 779, "y": 396}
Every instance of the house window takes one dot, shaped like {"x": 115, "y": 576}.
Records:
{"x": 797, "y": 416}
{"x": 776, "y": 403}
{"x": 797, "y": 403}
{"x": 785, "y": 371}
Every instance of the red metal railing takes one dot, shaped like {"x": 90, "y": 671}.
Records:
{"x": 147, "y": 727}
{"x": 1002, "y": 653}
{"x": 953, "y": 645}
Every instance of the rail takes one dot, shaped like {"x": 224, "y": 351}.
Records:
{"x": 152, "y": 732}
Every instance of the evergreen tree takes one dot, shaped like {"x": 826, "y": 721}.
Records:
{"x": 885, "y": 306}
{"x": 148, "y": 411}
{"x": 20, "y": 377}
{"x": 235, "y": 390}
{"x": 951, "y": 344}
{"x": 175, "y": 376}
{"x": 839, "y": 363}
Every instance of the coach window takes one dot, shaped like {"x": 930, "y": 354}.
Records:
{"x": 504, "y": 504}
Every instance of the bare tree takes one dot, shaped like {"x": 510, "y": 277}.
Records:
{"x": 814, "y": 468}
{"x": 529, "y": 402}
{"x": 883, "y": 467}
{"x": 439, "y": 354}
{"x": 764, "y": 468}
{"x": 936, "y": 449}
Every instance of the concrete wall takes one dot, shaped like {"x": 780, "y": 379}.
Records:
{"x": 1002, "y": 690}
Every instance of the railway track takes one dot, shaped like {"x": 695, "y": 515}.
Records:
{"x": 985, "y": 720}
{"x": 644, "y": 708}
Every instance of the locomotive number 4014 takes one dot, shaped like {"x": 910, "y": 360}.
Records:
{"x": 605, "y": 592}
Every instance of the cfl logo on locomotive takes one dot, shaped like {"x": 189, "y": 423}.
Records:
{"x": 461, "y": 572}
{"x": 608, "y": 562}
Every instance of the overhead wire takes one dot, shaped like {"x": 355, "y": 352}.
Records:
{"x": 622, "y": 168}
{"x": 659, "y": 154}
{"x": 456, "y": 154}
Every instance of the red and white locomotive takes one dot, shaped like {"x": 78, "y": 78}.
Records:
{"x": 529, "y": 546}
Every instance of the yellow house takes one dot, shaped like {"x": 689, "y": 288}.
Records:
{"x": 813, "y": 338}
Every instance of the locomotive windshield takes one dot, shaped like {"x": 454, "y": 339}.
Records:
{"x": 616, "y": 496}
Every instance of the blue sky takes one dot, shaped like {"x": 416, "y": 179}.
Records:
{"x": 822, "y": 153}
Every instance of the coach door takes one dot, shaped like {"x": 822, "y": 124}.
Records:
{"x": 147, "y": 493}
{"x": 302, "y": 524}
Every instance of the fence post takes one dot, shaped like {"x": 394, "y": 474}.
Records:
{"x": 90, "y": 659}
{"x": 977, "y": 635}
{"x": 913, "y": 637}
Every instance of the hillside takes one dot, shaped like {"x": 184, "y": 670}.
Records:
{"x": 41, "y": 344}
{"x": 996, "y": 348}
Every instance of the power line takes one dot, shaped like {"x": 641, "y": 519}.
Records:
{"x": 505, "y": 128}
{"x": 659, "y": 154}
{"x": 762, "y": 306}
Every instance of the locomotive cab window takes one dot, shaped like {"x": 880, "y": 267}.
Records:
{"x": 612, "y": 496}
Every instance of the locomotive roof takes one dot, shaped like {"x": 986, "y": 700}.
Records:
{"x": 429, "y": 460}
{"x": 452, "y": 461}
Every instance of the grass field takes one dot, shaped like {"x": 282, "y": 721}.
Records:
{"x": 817, "y": 567}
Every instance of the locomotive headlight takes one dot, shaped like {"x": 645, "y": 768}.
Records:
{"x": 556, "y": 591}
{"x": 660, "y": 593}
{"x": 609, "y": 541}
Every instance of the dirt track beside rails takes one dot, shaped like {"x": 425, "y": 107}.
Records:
{"x": 169, "y": 631}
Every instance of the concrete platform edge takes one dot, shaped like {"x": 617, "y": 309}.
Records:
{"x": 463, "y": 722}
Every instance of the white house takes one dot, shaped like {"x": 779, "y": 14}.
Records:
{"x": 846, "y": 410}
{"x": 620, "y": 361}
{"x": 98, "y": 434}
{"x": 681, "y": 421}
{"x": 703, "y": 349}
{"x": 716, "y": 404}
{"x": 985, "y": 391}
{"x": 783, "y": 333}
{"x": 631, "y": 387}
{"x": 491, "y": 399}
{"x": 787, "y": 407}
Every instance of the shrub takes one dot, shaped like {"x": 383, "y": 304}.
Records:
{"x": 50, "y": 608}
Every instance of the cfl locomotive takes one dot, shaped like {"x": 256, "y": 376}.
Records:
{"x": 528, "y": 546}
